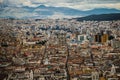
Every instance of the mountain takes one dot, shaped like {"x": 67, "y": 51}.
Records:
{"x": 101, "y": 17}
{"x": 43, "y": 11}
{"x": 102, "y": 11}
{"x": 69, "y": 11}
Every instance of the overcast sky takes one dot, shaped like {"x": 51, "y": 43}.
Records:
{"x": 76, "y": 4}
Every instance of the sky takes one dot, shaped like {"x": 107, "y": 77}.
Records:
{"x": 15, "y": 7}
{"x": 75, "y": 4}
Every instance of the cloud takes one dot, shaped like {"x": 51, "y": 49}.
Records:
{"x": 85, "y": 6}
{"x": 15, "y": 13}
{"x": 58, "y": 15}
{"x": 1, "y": 1}
{"x": 17, "y": 9}
{"x": 76, "y": 4}
{"x": 81, "y": 4}
{"x": 18, "y": 3}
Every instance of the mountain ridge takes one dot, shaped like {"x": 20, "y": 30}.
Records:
{"x": 43, "y": 11}
{"x": 100, "y": 17}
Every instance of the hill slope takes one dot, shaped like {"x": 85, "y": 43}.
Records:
{"x": 101, "y": 17}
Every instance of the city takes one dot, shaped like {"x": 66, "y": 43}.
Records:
{"x": 59, "y": 39}
{"x": 59, "y": 49}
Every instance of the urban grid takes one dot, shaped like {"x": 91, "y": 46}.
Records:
{"x": 59, "y": 49}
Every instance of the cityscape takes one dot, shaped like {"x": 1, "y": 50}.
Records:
{"x": 55, "y": 47}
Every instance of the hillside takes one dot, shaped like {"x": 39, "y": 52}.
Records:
{"x": 101, "y": 17}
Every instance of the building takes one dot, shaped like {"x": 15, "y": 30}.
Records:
{"x": 82, "y": 38}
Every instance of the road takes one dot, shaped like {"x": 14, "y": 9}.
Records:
{"x": 66, "y": 64}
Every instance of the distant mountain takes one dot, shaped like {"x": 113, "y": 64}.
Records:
{"x": 102, "y": 11}
{"x": 43, "y": 11}
{"x": 101, "y": 17}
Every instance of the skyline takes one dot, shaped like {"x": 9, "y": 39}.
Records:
{"x": 22, "y": 8}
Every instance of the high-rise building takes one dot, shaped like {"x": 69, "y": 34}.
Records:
{"x": 62, "y": 38}
{"x": 101, "y": 38}
{"x": 95, "y": 75}
{"x": 82, "y": 38}
{"x": 104, "y": 38}
{"x": 98, "y": 38}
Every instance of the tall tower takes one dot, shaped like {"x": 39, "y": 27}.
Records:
{"x": 113, "y": 70}
{"x": 31, "y": 75}
{"x": 62, "y": 38}
{"x": 95, "y": 75}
